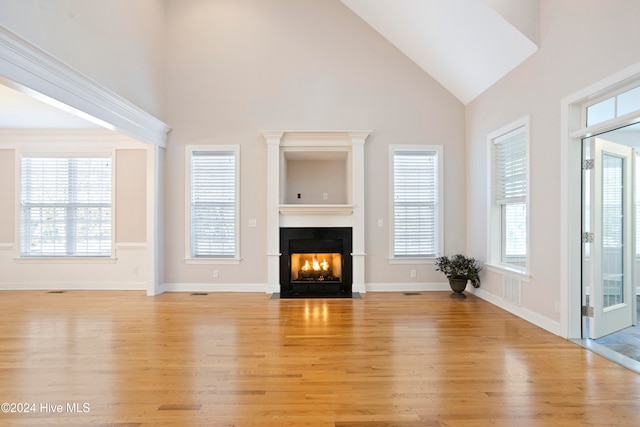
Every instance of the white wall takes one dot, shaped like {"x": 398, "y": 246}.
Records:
{"x": 117, "y": 43}
{"x": 581, "y": 42}
{"x": 327, "y": 177}
{"x": 237, "y": 67}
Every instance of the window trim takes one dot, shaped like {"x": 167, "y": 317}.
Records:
{"x": 393, "y": 148}
{"x": 636, "y": 203}
{"x": 495, "y": 223}
{"x": 189, "y": 259}
{"x": 74, "y": 153}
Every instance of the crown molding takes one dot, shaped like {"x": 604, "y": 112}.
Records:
{"x": 27, "y": 68}
{"x": 310, "y": 138}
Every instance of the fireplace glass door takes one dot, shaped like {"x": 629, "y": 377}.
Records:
{"x": 316, "y": 267}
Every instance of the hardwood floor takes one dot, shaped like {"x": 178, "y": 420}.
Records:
{"x": 387, "y": 359}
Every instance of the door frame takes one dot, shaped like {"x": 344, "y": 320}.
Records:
{"x": 572, "y": 132}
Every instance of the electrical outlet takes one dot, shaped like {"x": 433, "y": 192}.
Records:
{"x": 325, "y": 196}
{"x": 414, "y": 273}
{"x": 216, "y": 274}
{"x": 380, "y": 223}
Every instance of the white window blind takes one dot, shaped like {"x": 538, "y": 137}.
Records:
{"x": 213, "y": 204}
{"x": 415, "y": 203}
{"x": 509, "y": 193}
{"x": 510, "y": 168}
{"x": 66, "y": 206}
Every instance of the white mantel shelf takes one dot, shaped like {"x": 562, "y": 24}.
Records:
{"x": 315, "y": 209}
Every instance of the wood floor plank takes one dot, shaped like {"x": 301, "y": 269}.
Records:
{"x": 243, "y": 359}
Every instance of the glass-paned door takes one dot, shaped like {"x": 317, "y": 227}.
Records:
{"x": 608, "y": 235}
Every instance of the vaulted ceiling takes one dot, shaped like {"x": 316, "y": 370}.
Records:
{"x": 466, "y": 45}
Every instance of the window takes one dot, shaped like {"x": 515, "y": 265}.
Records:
{"x": 416, "y": 201}
{"x": 509, "y": 207}
{"x": 213, "y": 203}
{"x": 66, "y": 207}
{"x": 610, "y": 108}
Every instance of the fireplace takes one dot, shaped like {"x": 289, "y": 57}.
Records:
{"x": 316, "y": 262}
{"x": 315, "y": 185}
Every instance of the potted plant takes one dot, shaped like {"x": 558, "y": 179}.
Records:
{"x": 459, "y": 269}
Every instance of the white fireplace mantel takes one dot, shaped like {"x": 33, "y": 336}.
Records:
{"x": 315, "y": 209}
{"x": 314, "y": 144}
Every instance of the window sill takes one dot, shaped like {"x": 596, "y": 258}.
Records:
{"x": 406, "y": 261}
{"x": 516, "y": 273}
{"x": 66, "y": 260}
{"x": 212, "y": 261}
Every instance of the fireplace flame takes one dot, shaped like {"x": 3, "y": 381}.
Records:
{"x": 315, "y": 265}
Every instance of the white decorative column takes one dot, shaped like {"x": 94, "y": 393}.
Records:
{"x": 155, "y": 219}
{"x": 273, "y": 214}
{"x": 357, "y": 180}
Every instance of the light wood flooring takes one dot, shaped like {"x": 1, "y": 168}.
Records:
{"x": 224, "y": 359}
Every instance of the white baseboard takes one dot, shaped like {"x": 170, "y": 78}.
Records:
{"x": 78, "y": 286}
{"x": 528, "y": 315}
{"x": 263, "y": 287}
{"x": 407, "y": 287}
{"x": 214, "y": 287}
{"x": 205, "y": 287}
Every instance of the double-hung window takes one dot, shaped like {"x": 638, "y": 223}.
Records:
{"x": 510, "y": 187}
{"x": 213, "y": 203}
{"x": 66, "y": 206}
{"x": 416, "y": 193}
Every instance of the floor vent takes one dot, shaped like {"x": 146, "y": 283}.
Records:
{"x": 409, "y": 294}
{"x": 199, "y": 294}
{"x": 55, "y": 292}
{"x": 512, "y": 290}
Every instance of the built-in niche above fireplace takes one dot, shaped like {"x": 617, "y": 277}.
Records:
{"x": 316, "y": 262}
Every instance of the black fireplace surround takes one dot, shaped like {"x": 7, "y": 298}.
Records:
{"x": 336, "y": 278}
